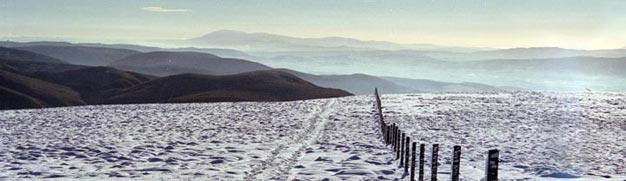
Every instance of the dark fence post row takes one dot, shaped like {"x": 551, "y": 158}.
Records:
{"x": 401, "y": 145}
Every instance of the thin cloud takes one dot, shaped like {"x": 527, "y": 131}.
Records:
{"x": 157, "y": 9}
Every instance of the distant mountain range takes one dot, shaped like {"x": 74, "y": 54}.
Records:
{"x": 271, "y": 42}
{"x": 329, "y": 61}
{"x": 102, "y": 54}
{"x": 40, "y": 80}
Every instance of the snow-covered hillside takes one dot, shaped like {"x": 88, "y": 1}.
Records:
{"x": 332, "y": 139}
{"x": 541, "y": 136}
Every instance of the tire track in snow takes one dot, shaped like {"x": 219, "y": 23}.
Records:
{"x": 281, "y": 160}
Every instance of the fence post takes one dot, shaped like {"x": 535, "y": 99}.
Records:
{"x": 491, "y": 172}
{"x": 413, "y": 161}
{"x": 386, "y": 134}
{"x": 456, "y": 163}
{"x": 397, "y": 141}
{"x": 401, "y": 150}
{"x": 406, "y": 154}
{"x": 395, "y": 137}
{"x": 398, "y": 144}
{"x": 382, "y": 132}
{"x": 391, "y": 137}
{"x": 389, "y": 134}
{"x": 434, "y": 163}
{"x": 421, "y": 164}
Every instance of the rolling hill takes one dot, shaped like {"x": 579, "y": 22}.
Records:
{"x": 21, "y": 55}
{"x": 171, "y": 63}
{"x": 106, "y": 51}
{"x": 19, "y": 91}
{"x": 422, "y": 85}
{"x": 81, "y": 55}
{"x": 95, "y": 84}
{"x": 28, "y": 84}
{"x": 251, "y": 86}
{"x": 362, "y": 84}
{"x": 354, "y": 83}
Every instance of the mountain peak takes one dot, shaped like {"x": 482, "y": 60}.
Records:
{"x": 224, "y": 33}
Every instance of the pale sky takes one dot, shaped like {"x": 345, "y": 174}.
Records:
{"x": 582, "y": 24}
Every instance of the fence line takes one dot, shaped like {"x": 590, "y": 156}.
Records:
{"x": 392, "y": 135}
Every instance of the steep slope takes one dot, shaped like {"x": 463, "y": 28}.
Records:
{"x": 251, "y": 86}
{"x": 354, "y": 83}
{"x": 171, "y": 63}
{"x": 81, "y": 55}
{"x": 21, "y": 55}
{"x": 21, "y": 91}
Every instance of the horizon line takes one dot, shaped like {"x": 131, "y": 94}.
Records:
{"x": 143, "y": 41}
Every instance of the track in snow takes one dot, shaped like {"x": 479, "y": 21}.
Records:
{"x": 283, "y": 157}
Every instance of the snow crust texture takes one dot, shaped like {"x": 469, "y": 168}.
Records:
{"x": 542, "y": 136}
{"x": 222, "y": 141}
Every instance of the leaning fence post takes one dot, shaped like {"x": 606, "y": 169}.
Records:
{"x": 406, "y": 154}
{"x": 421, "y": 165}
{"x": 413, "y": 161}
{"x": 433, "y": 163}
{"x": 456, "y": 163}
{"x": 491, "y": 172}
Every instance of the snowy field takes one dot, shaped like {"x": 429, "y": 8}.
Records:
{"x": 327, "y": 139}
{"x": 541, "y": 136}
{"x": 221, "y": 141}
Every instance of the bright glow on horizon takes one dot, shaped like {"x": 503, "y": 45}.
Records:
{"x": 578, "y": 24}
